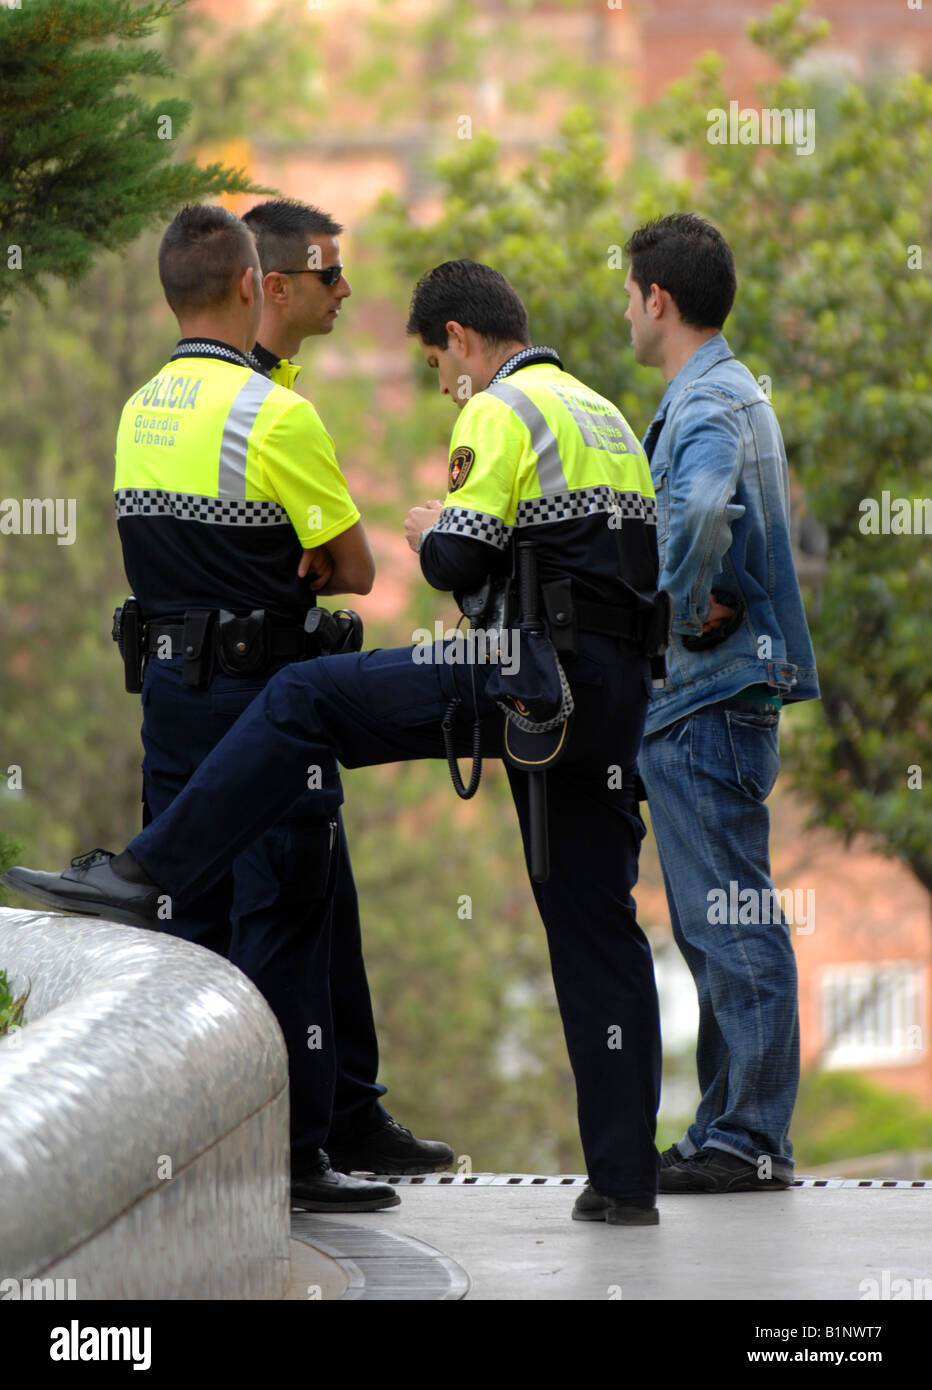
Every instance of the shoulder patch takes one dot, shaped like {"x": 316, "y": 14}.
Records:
{"x": 461, "y": 460}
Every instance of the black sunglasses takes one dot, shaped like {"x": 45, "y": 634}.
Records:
{"x": 330, "y": 275}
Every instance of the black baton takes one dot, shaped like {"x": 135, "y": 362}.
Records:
{"x": 529, "y": 621}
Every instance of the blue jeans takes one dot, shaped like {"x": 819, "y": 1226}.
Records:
{"x": 707, "y": 776}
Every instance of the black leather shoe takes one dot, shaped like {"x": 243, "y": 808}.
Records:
{"x": 616, "y": 1211}
{"x": 669, "y": 1156}
{"x": 319, "y": 1188}
{"x": 92, "y": 888}
{"x": 391, "y": 1149}
{"x": 714, "y": 1170}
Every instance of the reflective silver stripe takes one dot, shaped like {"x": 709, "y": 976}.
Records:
{"x": 601, "y": 426}
{"x": 231, "y": 481}
{"x": 550, "y": 475}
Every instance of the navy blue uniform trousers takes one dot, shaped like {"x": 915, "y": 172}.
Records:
{"x": 293, "y": 884}
{"x": 381, "y": 706}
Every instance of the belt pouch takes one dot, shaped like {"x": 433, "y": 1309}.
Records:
{"x": 244, "y": 645}
{"x": 561, "y": 619}
{"x": 197, "y": 649}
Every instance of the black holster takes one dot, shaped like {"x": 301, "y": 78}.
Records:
{"x": 657, "y": 637}
{"x": 489, "y": 605}
{"x": 329, "y": 634}
{"x": 128, "y": 635}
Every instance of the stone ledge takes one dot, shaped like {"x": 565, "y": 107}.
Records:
{"x": 143, "y": 1055}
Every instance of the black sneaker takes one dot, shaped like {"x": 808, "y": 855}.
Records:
{"x": 714, "y": 1170}
{"x": 319, "y": 1188}
{"x": 93, "y": 888}
{"x": 670, "y": 1155}
{"x": 390, "y": 1149}
{"x": 616, "y": 1211}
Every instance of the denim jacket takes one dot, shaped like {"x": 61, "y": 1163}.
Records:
{"x": 719, "y": 470}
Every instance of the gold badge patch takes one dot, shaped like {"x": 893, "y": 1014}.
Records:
{"x": 461, "y": 460}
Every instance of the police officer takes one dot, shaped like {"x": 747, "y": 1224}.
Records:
{"x": 221, "y": 477}
{"x": 535, "y": 456}
{"x": 303, "y": 292}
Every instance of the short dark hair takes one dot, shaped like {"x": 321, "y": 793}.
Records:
{"x": 281, "y": 228}
{"x": 203, "y": 252}
{"x": 690, "y": 259}
{"x": 474, "y": 295}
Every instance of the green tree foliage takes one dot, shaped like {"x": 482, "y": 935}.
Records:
{"x": 66, "y": 721}
{"x": 842, "y": 1114}
{"x": 556, "y": 229}
{"x": 11, "y": 1006}
{"x": 85, "y": 163}
{"x": 241, "y": 69}
{"x": 832, "y": 310}
{"x": 9, "y": 849}
{"x": 441, "y": 70}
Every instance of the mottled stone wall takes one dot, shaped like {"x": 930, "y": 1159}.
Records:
{"x": 143, "y": 1117}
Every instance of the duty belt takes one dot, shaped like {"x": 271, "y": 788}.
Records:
{"x": 242, "y": 644}
{"x": 646, "y": 629}
{"x": 567, "y": 615}
{"x": 283, "y": 641}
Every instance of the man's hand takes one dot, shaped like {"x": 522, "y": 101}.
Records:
{"x": 418, "y": 520}
{"x": 319, "y": 562}
{"x": 718, "y": 614}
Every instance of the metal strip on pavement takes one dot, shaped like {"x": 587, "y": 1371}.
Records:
{"x": 580, "y": 1180}
{"x": 381, "y": 1265}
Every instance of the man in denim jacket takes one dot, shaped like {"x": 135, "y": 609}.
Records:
{"x": 740, "y": 649}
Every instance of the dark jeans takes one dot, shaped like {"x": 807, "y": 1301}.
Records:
{"x": 380, "y": 706}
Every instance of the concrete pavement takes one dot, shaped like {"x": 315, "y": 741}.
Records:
{"x": 511, "y": 1238}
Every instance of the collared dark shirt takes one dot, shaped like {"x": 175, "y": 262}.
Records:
{"x": 265, "y": 360}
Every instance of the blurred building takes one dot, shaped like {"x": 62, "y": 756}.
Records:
{"x": 354, "y": 153}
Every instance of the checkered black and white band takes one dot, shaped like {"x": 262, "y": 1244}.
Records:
{"x": 194, "y": 347}
{"x": 222, "y": 511}
{"x": 539, "y": 511}
{"x": 478, "y": 526}
{"x": 527, "y": 357}
{"x": 587, "y": 501}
